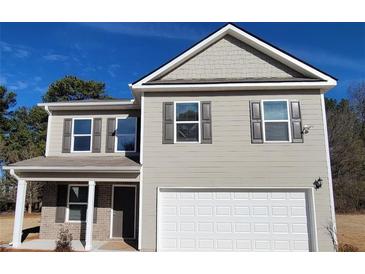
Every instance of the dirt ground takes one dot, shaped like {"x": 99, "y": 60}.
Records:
{"x": 6, "y": 226}
{"x": 350, "y": 227}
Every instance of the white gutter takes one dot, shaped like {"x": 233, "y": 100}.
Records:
{"x": 72, "y": 169}
{"x": 233, "y": 86}
{"x": 81, "y": 103}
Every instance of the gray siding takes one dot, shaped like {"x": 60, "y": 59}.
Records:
{"x": 56, "y": 128}
{"x": 231, "y": 160}
{"x": 230, "y": 58}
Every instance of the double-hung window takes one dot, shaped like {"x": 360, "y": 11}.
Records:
{"x": 276, "y": 122}
{"x": 126, "y": 134}
{"x": 77, "y": 203}
{"x": 81, "y": 135}
{"x": 187, "y": 122}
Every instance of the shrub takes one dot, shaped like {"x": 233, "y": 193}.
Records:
{"x": 347, "y": 248}
{"x": 64, "y": 239}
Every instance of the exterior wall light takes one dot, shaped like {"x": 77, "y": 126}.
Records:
{"x": 318, "y": 183}
{"x": 306, "y": 129}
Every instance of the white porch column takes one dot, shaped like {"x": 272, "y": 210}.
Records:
{"x": 90, "y": 215}
{"x": 19, "y": 213}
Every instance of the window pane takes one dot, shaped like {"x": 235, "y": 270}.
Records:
{"x": 126, "y": 126}
{"x": 82, "y": 126}
{"x": 187, "y": 132}
{"x": 82, "y": 143}
{"x": 77, "y": 212}
{"x": 126, "y": 142}
{"x": 78, "y": 194}
{"x": 276, "y": 110}
{"x": 187, "y": 112}
{"x": 276, "y": 131}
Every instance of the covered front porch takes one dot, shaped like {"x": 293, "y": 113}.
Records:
{"x": 96, "y": 198}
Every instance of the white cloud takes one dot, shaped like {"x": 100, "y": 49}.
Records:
{"x": 112, "y": 70}
{"x": 21, "y": 53}
{"x": 18, "y": 51}
{"x": 18, "y": 85}
{"x": 37, "y": 78}
{"x": 55, "y": 57}
{"x": 327, "y": 58}
{"x": 162, "y": 30}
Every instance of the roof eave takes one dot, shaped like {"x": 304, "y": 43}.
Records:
{"x": 73, "y": 169}
{"x": 323, "y": 86}
{"x": 131, "y": 104}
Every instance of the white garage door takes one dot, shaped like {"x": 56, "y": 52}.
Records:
{"x": 232, "y": 220}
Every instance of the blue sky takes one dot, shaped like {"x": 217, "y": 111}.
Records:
{"x": 32, "y": 55}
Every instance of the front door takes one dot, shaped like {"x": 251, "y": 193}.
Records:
{"x": 124, "y": 212}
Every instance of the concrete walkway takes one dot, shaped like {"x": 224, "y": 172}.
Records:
{"x": 98, "y": 246}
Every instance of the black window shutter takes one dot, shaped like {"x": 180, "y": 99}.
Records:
{"x": 96, "y": 135}
{"x": 256, "y": 122}
{"x": 66, "y": 139}
{"x": 206, "y": 123}
{"x": 168, "y": 123}
{"x": 61, "y": 203}
{"x": 110, "y": 137}
{"x": 296, "y": 122}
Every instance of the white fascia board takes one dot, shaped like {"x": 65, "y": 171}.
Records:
{"x": 323, "y": 86}
{"x": 246, "y": 38}
{"x": 131, "y": 104}
{"x": 72, "y": 169}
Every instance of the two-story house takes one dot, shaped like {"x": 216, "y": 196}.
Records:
{"x": 224, "y": 147}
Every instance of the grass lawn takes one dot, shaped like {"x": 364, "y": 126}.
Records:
{"x": 350, "y": 227}
{"x": 7, "y": 222}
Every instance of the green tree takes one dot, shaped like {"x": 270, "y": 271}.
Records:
{"x": 7, "y": 101}
{"x": 25, "y": 139}
{"x": 72, "y": 88}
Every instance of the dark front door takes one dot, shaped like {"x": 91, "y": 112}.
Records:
{"x": 124, "y": 203}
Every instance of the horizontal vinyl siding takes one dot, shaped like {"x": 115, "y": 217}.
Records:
{"x": 232, "y": 161}
{"x": 56, "y": 130}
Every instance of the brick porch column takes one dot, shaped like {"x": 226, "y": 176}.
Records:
{"x": 90, "y": 216}
{"x": 19, "y": 213}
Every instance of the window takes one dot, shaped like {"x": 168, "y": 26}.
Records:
{"x": 126, "y": 134}
{"x": 77, "y": 203}
{"x": 187, "y": 122}
{"x": 276, "y": 121}
{"x": 81, "y": 135}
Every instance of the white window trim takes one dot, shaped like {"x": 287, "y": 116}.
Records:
{"x": 75, "y": 135}
{"x": 264, "y": 121}
{"x": 116, "y": 136}
{"x": 186, "y": 122}
{"x": 74, "y": 203}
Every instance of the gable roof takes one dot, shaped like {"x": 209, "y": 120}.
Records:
{"x": 307, "y": 75}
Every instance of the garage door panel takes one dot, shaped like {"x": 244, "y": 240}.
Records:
{"x": 232, "y": 220}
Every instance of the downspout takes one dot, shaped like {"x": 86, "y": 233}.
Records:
{"x": 12, "y": 173}
{"x": 329, "y": 171}
{"x": 48, "y": 129}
